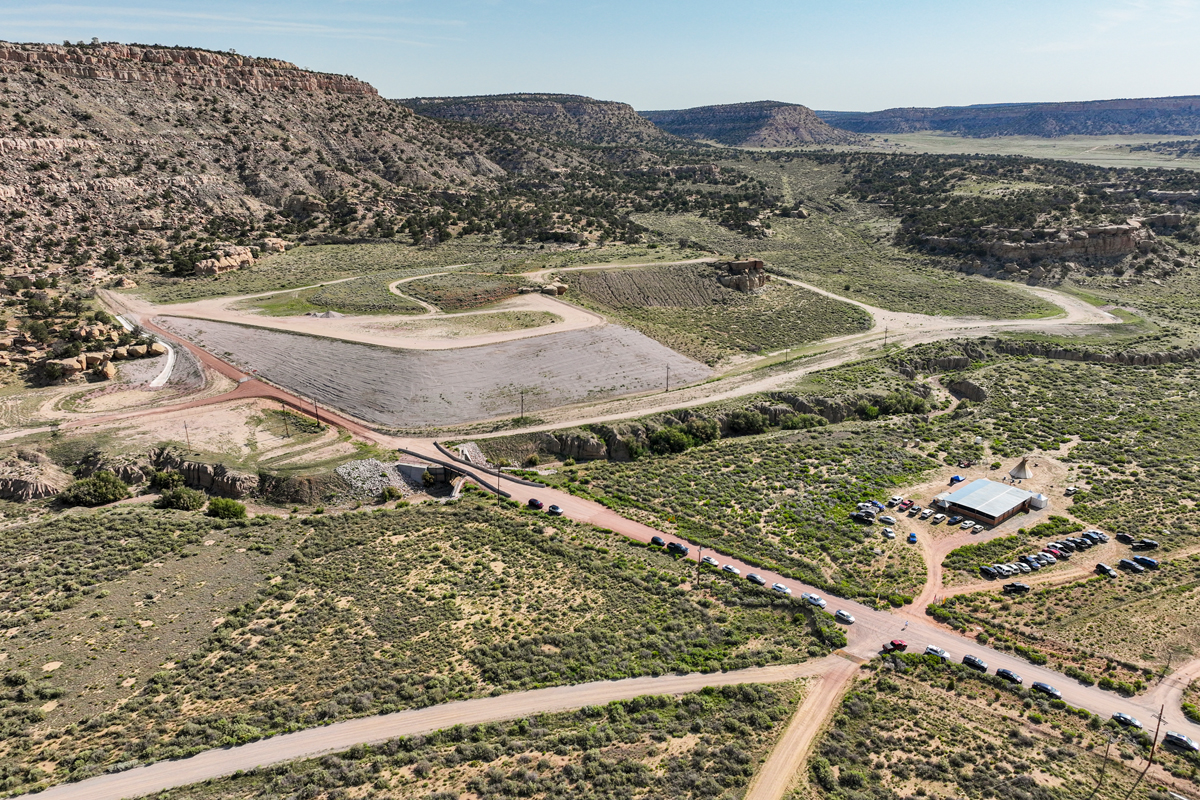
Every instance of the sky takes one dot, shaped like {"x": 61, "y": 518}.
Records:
{"x": 850, "y": 55}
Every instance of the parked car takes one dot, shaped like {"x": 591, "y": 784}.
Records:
{"x": 1146, "y": 561}
{"x": 842, "y": 615}
{"x": 1016, "y": 588}
{"x": 1023, "y": 567}
{"x": 888, "y": 533}
{"x": 1124, "y": 538}
{"x": 554, "y": 511}
{"x": 988, "y": 572}
{"x": 938, "y": 518}
{"x": 534, "y": 503}
{"x": 905, "y": 505}
{"x": 1131, "y": 566}
{"x": 977, "y": 529}
{"x": 975, "y": 662}
{"x": 1105, "y": 569}
{"x": 932, "y": 650}
{"x": 895, "y": 645}
{"x": 1008, "y": 675}
{"x": 888, "y": 519}
{"x": 1181, "y": 741}
{"x": 731, "y": 569}
{"x": 1144, "y": 544}
{"x": 1046, "y": 688}
{"x": 914, "y": 510}
{"x": 966, "y": 524}
{"x": 677, "y": 549}
{"x": 927, "y": 513}
{"x": 912, "y": 538}
{"x": 1071, "y": 490}
{"x": 895, "y": 500}
{"x": 657, "y": 541}
{"x": 1047, "y": 558}
{"x": 814, "y": 599}
{"x": 957, "y": 518}
{"x": 779, "y": 587}
{"x": 1062, "y": 546}
{"x": 756, "y": 579}
{"x": 712, "y": 562}
{"x": 1122, "y": 718}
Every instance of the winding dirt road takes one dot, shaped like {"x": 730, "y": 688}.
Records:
{"x": 865, "y": 636}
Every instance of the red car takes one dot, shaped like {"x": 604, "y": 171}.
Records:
{"x": 895, "y": 645}
{"x": 906, "y": 505}
{"x": 535, "y": 503}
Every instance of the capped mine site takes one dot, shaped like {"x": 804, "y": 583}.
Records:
{"x": 417, "y": 388}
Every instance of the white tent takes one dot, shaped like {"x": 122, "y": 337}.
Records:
{"x": 1039, "y": 501}
{"x": 1021, "y": 470}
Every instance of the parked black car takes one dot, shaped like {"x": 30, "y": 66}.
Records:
{"x": 1124, "y": 538}
{"x": 1105, "y": 569}
{"x": 657, "y": 541}
{"x": 975, "y": 662}
{"x": 677, "y": 549}
{"x": 1145, "y": 544}
{"x": 757, "y": 579}
{"x": 1016, "y": 587}
{"x": 1046, "y": 688}
{"x": 1008, "y": 675}
{"x": 1131, "y": 566}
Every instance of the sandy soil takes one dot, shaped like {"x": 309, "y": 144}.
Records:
{"x": 418, "y": 388}
{"x": 384, "y": 330}
{"x": 783, "y": 767}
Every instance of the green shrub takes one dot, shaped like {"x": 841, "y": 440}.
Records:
{"x": 390, "y": 493}
{"x": 224, "y": 508}
{"x": 802, "y": 422}
{"x": 101, "y": 489}
{"x": 671, "y": 439}
{"x": 165, "y": 480}
{"x": 746, "y": 423}
{"x": 182, "y": 499}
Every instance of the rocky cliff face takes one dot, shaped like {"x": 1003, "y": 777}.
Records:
{"x": 177, "y": 66}
{"x": 744, "y": 276}
{"x": 570, "y": 118}
{"x": 30, "y": 476}
{"x": 761, "y": 124}
{"x": 1172, "y": 116}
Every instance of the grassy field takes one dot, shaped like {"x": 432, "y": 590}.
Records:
{"x": 1102, "y": 151}
{"x": 846, "y": 247}
{"x": 472, "y": 324}
{"x": 781, "y": 500}
{"x": 685, "y": 308}
{"x": 464, "y": 291}
{"x": 144, "y": 634}
{"x": 701, "y": 745}
{"x": 986, "y": 739}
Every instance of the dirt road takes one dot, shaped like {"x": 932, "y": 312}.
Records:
{"x": 784, "y": 765}
{"x": 343, "y": 735}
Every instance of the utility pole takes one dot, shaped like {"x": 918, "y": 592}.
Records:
{"x": 187, "y": 434}
{"x": 497, "y": 484}
{"x": 668, "y": 378}
{"x": 885, "y": 336}
{"x": 316, "y": 411}
{"x": 522, "y": 404}
{"x": 287, "y": 432}
{"x": 1153, "y": 750}
{"x": 699, "y": 556}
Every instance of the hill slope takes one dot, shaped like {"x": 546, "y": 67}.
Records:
{"x": 1172, "y": 116}
{"x": 760, "y": 124}
{"x": 566, "y": 117}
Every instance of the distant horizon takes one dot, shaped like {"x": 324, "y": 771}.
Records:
{"x": 860, "y": 55}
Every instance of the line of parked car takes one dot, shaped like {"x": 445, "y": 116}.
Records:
{"x": 1049, "y": 555}
{"x": 979, "y": 665}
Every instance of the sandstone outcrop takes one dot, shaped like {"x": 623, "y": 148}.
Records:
{"x": 177, "y": 66}
{"x": 225, "y": 258}
{"x": 31, "y": 477}
{"x": 744, "y": 276}
{"x": 576, "y": 444}
{"x": 214, "y": 478}
{"x": 970, "y": 390}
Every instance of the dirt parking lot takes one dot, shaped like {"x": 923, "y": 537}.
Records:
{"x": 420, "y": 388}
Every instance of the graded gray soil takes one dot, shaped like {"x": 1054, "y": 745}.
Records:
{"x": 422, "y": 388}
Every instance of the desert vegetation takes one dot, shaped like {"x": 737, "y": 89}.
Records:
{"x": 684, "y": 307}
{"x": 700, "y": 745}
{"x": 464, "y": 291}
{"x": 340, "y": 616}
{"x": 990, "y": 739}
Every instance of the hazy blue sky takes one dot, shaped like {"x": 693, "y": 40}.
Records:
{"x": 839, "y": 54}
